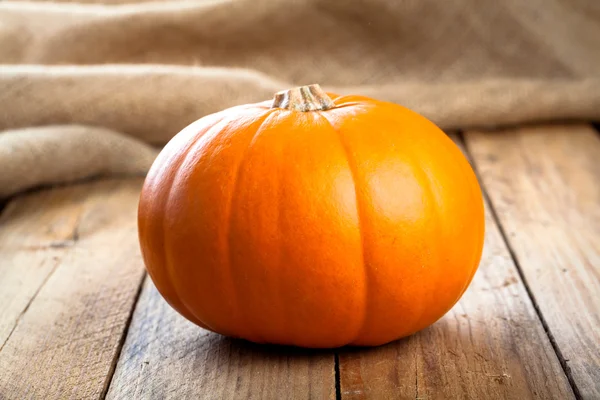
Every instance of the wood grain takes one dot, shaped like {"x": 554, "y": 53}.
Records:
{"x": 491, "y": 345}
{"x": 544, "y": 184}
{"x": 167, "y": 357}
{"x": 71, "y": 270}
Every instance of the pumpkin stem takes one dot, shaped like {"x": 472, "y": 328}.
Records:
{"x": 303, "y": 98}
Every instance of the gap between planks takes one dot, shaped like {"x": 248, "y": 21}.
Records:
{"x": 113, "y": 365}
{"x": 338, "y": 387}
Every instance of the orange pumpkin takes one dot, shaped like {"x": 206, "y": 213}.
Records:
{"x": 313, "y": 220}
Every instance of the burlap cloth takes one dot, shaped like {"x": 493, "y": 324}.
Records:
{"x": 95, "y": 89}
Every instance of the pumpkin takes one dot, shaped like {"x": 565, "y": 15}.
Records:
{"x": 313, "y": 220}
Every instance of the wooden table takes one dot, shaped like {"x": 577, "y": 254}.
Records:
{"x": 79, "y": 319}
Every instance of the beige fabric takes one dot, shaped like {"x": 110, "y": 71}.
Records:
{"x": 67, "y": 153}
{"x": 147, "y": 69}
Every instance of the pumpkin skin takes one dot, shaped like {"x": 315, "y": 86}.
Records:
{"x": 355, "y": 225}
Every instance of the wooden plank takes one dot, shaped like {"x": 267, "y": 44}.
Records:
{"x": 82, "y": 240}
{"x": 491, "y": 345}
{"x": 544, "y": 184}
{"x": 36, "y": 236}
{"x": 167, "y": 357}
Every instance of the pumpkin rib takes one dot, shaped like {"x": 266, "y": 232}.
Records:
{"x": 360, "y": 215}
{"x": 236, "y": 187}
{"x": 198, "y": 141}
{"x": 177, "y": 157}
{"x": 451, "y": 146}
{"x": 473, "y": 187}
{"x": 425, "y": 183}
{"x": 285, "y": 325}
{"x": 211, "y": 133}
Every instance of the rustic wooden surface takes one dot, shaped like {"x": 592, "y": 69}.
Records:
{"x": 72, "y": 325}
